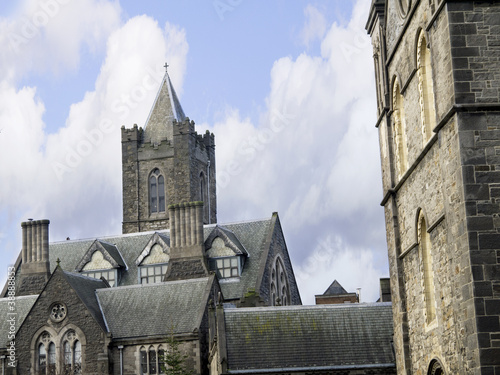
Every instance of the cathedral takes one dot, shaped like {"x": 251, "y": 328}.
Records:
{"x": 226, "y": 293}
{"x": 437, "y": 73}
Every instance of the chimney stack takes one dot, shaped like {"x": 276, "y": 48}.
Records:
{"x": 187, "y": 251}
{"x": 35, "y": 266}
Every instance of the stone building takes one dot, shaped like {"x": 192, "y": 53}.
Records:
{"x": 110, "y": 305}
{"x": 437, "y": 71}
{"x": 336, "y": 294}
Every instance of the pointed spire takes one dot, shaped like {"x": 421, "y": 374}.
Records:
{"x": 166, "y": 108}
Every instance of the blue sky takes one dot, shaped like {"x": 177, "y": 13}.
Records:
{"x": 291, "y": 83}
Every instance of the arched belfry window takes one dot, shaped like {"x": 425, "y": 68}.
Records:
{"x": 425, "y": 88}
{"x": 204, "y": 195}
{"x": 399, "y": 130}
{"x": 280, "y": 295}
{"x": 428, "y": 275}
{"x": 156, "y": 192}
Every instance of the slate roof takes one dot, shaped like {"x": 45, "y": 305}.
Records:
{"x": 309, "y": 337}
{"x": 155, "y": 309}
{"x": 251, "y": 235}
{"x": 166, "y": 108}
{"x": 334, "y": 289}
{"x": 85, "y": 287}
{"x": 22, "y": 307}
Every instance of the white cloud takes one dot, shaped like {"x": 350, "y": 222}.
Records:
{"x": 80, "y": 165}
{"x": 332, "y": 260}
{"x": 315, "y": 26}
{"x": 49, "y": 35}
{"x": 321, "y": 168}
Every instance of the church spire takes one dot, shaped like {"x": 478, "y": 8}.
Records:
{"x": 166, "y": 108}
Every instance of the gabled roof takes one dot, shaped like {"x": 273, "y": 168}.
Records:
{"x": 156, "y": 238}
{"x": 22, "y": 306}
{"x": 110, "y": 253}
{"x": 85, "y": 287}
{"x": 229, "y": 238}
{"x": 155, "y": 309}
{"x": 334, "y": 289}
{"x": 166, "y": 108}
{"x": 267, "y": 339}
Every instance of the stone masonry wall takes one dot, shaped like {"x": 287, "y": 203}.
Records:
{"x": 93, "y": 343}
{"x": 277, "y": 247}
{"x": 452, "y": 177}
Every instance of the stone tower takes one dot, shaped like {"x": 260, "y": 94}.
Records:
{"x": 166, "y": 163}
{"x": 437, "y": 70}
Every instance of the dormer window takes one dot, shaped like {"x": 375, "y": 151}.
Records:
{"x": 102, "y": 259}
{"x": 153, "y": 262}
{"x": 156, "y": 192}
{"x": 226, "y": 267}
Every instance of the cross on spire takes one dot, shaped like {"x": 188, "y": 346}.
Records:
{"x": 166, "y": 66}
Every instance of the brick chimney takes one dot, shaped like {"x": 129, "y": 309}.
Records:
{"x": 35, "y": 266}
{"x": 187, "y": 249}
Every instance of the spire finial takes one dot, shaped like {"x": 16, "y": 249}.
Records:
{"x": 166, "y": 67}
{"x": 58, "y": 261}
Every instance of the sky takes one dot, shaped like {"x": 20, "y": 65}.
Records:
{"x": 286, "y": 87}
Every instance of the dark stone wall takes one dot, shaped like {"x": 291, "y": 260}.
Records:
{"x": 94, "y": 343}
{"x": 180, "y": 160}
{"x": 277, "y": 246}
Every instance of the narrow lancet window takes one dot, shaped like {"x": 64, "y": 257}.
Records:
{"x": 156, "y": 192}
{"x": 425, "y": 88}
{"x": 428, "y": 276}
{"x": 399, "y": 130}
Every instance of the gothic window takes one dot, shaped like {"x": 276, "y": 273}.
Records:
{"x": 51, "y": 360}
{"x": 425, "y": 88}
{"x": 68, "y": 357}
{"x": 152, "y": 360}
{"x": 435, "y": 368}
{"x": 42, "y": 359}
{"x": 428, "y": 277}
{"x": 204, "y": 195}
{"x": 77, "y": 358}
{"x": 280, "y": 295}
{"x": 161, "y": 360}
{"x": 156, "y": 192}
{"x": 144, "y": 361}
{"x": 225, "y": 267}
{"x": 399, "y": 130}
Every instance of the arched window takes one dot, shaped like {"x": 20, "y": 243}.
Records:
{"x": 68, "y": 357}
{"x": 425, "y": 88}
{"x": 435, "y": 368}
{"x": 156, "y": 192}
{"x": 144, "y": 361}
{"x": 425, "y": 244}
{"x": 152, "y": 360}
{"x": 77, "y": 358}
{"x": 42, "y": 359}
{"x": 280, "y": 294}
{"x": 204, "y": 195}
{"x": 51, "y": 359}
{"x": 161, "y": 360}
{"x": 399, "y": 130}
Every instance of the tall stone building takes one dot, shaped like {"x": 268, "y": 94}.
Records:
{"x": 166, "y": 163}
{"x": 437, "y": 70}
